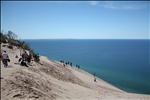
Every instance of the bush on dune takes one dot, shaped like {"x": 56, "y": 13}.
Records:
{"x": 12, "y": 39}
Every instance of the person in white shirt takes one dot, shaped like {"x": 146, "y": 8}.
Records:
{"x": 5, "y": 58}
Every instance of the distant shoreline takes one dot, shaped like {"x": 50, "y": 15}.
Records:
{"x": 83, "y": 39}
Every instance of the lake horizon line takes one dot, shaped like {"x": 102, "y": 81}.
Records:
{"x": 81, "y": 39}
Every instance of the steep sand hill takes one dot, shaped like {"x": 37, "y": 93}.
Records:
{"x": 50, "y": 80}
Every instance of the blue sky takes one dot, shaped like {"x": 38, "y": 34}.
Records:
{"x": 76, "y": 19}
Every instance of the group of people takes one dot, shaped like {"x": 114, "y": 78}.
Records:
{"x": 68, "y": 63}
{"x": 24, "y": 60}
{"x": 28, "y": 57}
{"x": 78, "y": 66}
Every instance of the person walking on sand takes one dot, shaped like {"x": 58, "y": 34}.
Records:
{"x": 95, "y": 79}
{"x": 94, "y": 74}
{"x": 78, "y": 67}
{"x": 24, "y": 56}
{"x": 5, "y": 58}
{"x": 29, "y": 58}
{"x": 71, "y": 64}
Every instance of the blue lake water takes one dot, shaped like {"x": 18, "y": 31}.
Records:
{"x": 122, "y": 63}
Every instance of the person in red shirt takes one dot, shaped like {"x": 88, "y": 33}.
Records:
{"x": 1, "y": 56}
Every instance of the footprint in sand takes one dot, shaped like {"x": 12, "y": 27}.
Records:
{"x": 10, "y": 66}
{"x": 17, "y": 95}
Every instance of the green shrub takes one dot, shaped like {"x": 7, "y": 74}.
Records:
{"x": 11, "y": 38}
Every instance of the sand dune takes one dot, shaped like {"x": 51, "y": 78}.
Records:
{"x": 50, "y": 80}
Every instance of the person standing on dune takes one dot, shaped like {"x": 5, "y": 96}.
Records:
{"x": 5, "y": 58}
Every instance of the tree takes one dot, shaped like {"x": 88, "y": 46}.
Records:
{"x": 12, "y": 35}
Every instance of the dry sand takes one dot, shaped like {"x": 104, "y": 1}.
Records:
{"x": 50, "y": 80}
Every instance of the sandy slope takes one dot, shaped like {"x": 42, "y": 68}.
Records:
{"x": 50, "y": 80}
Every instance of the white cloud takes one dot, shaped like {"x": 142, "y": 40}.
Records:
{"x": 109, "y": 5}
{"x": 134, "y": 5}
{"x": 93, "y": 2}
{"x": 125, "y": 5}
